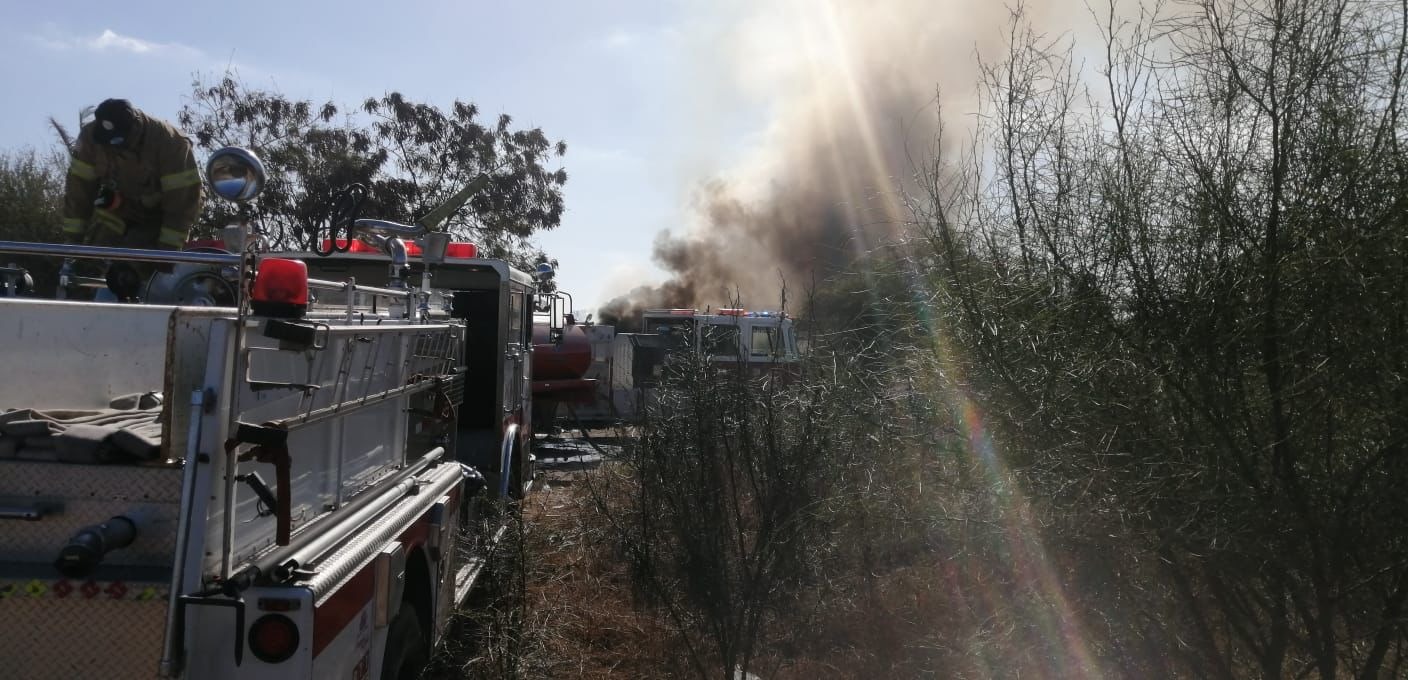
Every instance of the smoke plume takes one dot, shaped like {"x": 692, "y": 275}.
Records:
{"x": 850, "y": 87}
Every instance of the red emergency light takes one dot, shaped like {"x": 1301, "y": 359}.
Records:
{"x": 460, "y": 250}
{"x": 280, "y": 288}
{"x": 362, "y": 248}
{"x": 205, "y": 243}
{"x": 732, "y": 312}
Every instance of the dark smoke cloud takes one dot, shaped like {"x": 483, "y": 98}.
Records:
{"x": 855, "y": 85}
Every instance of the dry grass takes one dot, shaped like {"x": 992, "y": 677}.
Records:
{"x": 905, "y": 596}
{"x": 582, "y": 592}
{"x": 571, "y": 615}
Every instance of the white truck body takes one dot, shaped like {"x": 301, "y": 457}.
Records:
{"x": 370, "y": 501}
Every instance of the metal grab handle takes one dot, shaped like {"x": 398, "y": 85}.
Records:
{"x": 373, "y": 226}
{"x": 28, "y": 513}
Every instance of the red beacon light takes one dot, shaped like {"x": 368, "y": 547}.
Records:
{"x": 462, "y": 251}
{"x": 732, "y": 312}
{"x": 280, "y": 289}
{"x": 356, "y": 247}
{"x": 456, "y": 251}
{"x": 205, "y": 244}
{"x": 361, "y": 248}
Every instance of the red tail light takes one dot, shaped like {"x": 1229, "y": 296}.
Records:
{"x": 280, "y": 288}
{"x": 273, "y": 638}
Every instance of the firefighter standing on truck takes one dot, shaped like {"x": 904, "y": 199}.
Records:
{"x": 132, "y": 182}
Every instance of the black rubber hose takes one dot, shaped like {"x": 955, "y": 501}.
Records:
{"x": 87, "y": 548}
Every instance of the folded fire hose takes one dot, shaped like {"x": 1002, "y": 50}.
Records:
{"x": 129, "y": 430}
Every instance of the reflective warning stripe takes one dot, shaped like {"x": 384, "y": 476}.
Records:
{"x": 173, "y": 237}
{"x": 109, "y": 221}
{"x": 180, "y": 180}
{"x": 81, "y": 169}
{"x": 73, "y": 225}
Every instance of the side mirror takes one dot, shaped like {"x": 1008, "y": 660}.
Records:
{"x": 235, "y": 174}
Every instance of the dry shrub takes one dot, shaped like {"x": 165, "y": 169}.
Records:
{"x": 583, "y": 589}
{"x": 554, "y": 601}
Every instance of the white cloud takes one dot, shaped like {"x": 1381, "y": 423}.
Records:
{"x": 620, "y": 39}
{"x": 649, "y": 37}
{"x": 111, "y": 41}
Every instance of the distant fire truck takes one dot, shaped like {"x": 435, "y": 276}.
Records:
{"x": 738, "y": 339}
{"x": 271, "y": 465}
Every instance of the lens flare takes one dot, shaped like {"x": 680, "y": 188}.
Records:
{"x": 1059, "y": 623}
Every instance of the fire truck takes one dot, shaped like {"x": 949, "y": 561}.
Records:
{"x": 733, "y": 338}
{"x": 258, "y": 465}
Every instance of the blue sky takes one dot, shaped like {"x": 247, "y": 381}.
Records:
{"x": 636, "y": 88}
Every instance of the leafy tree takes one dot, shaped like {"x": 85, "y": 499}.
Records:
{"x": 411, "y": 157}
{"x": 1182, "y": 302}
{"x": 31, "y": 197}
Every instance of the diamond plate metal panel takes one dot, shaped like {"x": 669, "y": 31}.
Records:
{"x": 48, "y": 638}
{"x": 89, "y": 494}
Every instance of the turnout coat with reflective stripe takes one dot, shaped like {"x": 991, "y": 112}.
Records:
{"x": 154, "y": 173}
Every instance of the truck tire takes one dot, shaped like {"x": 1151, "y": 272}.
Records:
{"x": 407, "y": 650}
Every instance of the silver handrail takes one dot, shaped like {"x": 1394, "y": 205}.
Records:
{"x": 346, "y": 287}
{"x": 144, "y": 255}
{"x": 169, "y": 653}
{"x": 111, "y": 253}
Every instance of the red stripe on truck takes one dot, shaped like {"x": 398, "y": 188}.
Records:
{"x": 415, "y": 534}
{"x": 342, "y": 608}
